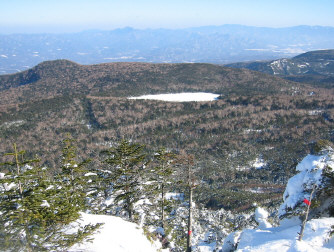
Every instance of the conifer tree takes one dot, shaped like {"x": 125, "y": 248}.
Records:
{"x": 17, "y": 203}
{"x": 99, "y": 191}
{"x": 160, "y": 178}
{"x": 187, "y": 161}
{"x": 126, "y": 163}
{"x": 72, "y": 177}
{"x": 70, "y": 195}
{"x": 36, "y": 209}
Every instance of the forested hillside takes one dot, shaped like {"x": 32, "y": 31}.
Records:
{"x": 314, "y": 67}
{"x": 258, "y": 118}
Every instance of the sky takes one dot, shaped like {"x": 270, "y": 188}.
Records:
{"x": 31, "y": 16}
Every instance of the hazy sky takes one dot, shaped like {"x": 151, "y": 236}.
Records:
{"x": 77, "y": 15}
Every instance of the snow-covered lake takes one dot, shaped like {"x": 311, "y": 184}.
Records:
{"x": 180, "y": 97}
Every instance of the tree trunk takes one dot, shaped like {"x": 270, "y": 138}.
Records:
{"x": 130, "y": 211}
{"x": 190, "y": 219}
{"x": 306, "y": 216}
{"x": 18, "y": 168}
{"x": 190, "y": 210}
{"x": 162, "y": 206}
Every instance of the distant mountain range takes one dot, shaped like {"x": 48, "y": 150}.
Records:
{"x": 211, "y": 44}
{"x": 315, "y": 67}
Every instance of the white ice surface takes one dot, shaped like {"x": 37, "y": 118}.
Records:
{"x": 179, "y": 97}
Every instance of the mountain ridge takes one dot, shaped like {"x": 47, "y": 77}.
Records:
{"x": 211, "y": 44}
{"x": 315, "y": 67}
{"x": 134, "y": 78}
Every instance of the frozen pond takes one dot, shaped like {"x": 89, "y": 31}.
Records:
{"x": 180, "y": 97}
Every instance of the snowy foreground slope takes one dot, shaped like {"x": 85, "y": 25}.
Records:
{"x": 116, "y": 235}
{"x": 312, "y": 172}
{"x": 284, "y": 238}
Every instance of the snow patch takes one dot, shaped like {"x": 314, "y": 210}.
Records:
{"x": 45, "y": 203}
{"x": 231, "y": 241}
{"x": 115, "y": 235}
{"x": 315, "y": 112}
{"x": 90, "y": 174}
{"x": 175, "y": 196}
{"x": 259, "y": 163}
{"x": 261, "y": 216}
{"x": 13, "y": 123}
{"x": 283, "y": 239}
{"x": 248, "y": 131}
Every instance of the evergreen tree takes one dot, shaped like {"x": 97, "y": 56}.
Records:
{"x": 18, "y": 203}
{"x": 126, "y": 163}
{"x": 69, "y": 196}
{"x": 36, "y": 209}
{"x": 160, "y": 179}
{"x": 99, "y": 191}
{"x": 73, "y": 178}
{"x": 187, "y": 161}
{"x": 179, "y": 223}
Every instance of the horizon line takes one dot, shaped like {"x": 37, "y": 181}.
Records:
{"x": 78, "y": 30}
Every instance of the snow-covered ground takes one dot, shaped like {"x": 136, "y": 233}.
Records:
{"x": 284, "y": 238}
{"x": 180, "y": 97}
{"x": 116, "y": 235}
{"x": 259, "y": 163}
